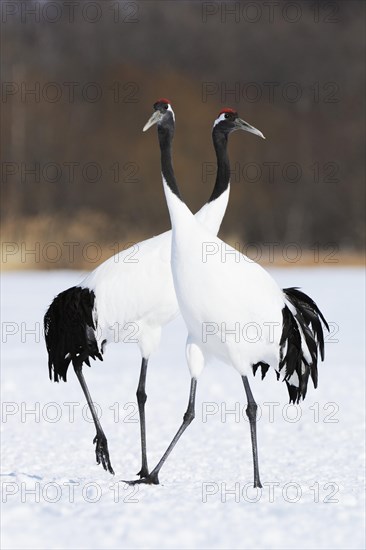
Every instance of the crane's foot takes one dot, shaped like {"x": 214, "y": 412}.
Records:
{"x": 101, "y": 452}
{"x": 257, "y": 483}
{"x": 150, "y": 479}
{"x": 144, "y": 472}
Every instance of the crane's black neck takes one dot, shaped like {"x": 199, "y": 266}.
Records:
{"x": 165, "y": 134}
{"x": 223, "y": 166}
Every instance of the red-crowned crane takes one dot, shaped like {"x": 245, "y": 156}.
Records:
{"x": 120, "y": 295}
{"x": 232, "y": 307}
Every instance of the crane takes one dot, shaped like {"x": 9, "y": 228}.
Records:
{"x": 232, "y": 307}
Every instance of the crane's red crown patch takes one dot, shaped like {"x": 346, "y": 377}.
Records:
{"x": 227, "y": 110}
{"x": 163, "y": 100}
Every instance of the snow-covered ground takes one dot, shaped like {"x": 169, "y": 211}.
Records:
{"x": 311, "y": 456}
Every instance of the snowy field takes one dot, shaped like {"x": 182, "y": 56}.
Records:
{"x": 54, "y": 496}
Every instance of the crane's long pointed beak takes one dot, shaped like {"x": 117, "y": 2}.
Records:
{"x": 154, "y": 119}
{"x": 240, "y": 124}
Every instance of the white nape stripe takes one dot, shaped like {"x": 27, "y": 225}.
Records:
{"x": 171, "y": 110}
{"x": 219, "y": 119}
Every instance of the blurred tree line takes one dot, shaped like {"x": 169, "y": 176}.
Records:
{"x": 78, "y": 83}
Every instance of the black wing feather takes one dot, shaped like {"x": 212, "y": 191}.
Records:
{"x": 309, "y": 318}
{"x": 70, "y": 331}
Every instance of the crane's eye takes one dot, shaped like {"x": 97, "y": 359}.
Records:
{"x": 227, "y": 115}
{"x": 165, "y": 106}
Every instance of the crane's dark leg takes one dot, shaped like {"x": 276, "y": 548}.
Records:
{"x": 153, "y": 478}
{"x": 141, "y": 400}
{"x": 252, "y": 415}
{"x": 101, "y": 449}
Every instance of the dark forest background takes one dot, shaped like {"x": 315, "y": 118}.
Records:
{"x": 78, "y": 83}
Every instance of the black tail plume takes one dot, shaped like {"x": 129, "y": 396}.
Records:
{"x": 304, "y": 326}
{"x": 70, "y": 331}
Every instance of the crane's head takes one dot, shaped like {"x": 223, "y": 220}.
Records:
{"x": 228, "y": 121}
{"x": 163, "y": 115}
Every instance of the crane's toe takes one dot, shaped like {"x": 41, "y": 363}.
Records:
{"x": 101, "y": 452}
{"x": 150, "y": 479}
{"x": 144, "y": 472}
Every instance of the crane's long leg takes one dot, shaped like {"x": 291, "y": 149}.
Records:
{"x": 141, "y": 400}
{"x": 101, "y": 449}
{"x": 153, "y": 478}
{"x": 252, "y": 415}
